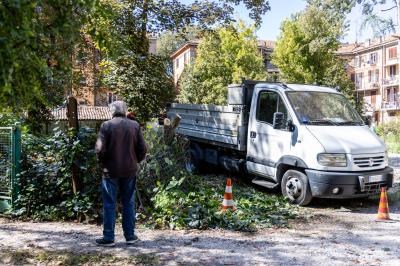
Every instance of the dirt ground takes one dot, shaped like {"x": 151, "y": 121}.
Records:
{"x": 329, "y": 232}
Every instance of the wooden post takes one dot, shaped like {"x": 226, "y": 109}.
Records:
{"x": 72, "y": 114}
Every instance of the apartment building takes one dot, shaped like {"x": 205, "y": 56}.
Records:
{"x": 181, "y": 57}
{"x": 187, "y": 53}
{"x": 374, "y": 68}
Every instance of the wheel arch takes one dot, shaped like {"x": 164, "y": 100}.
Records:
{"x": 289, "y": 162}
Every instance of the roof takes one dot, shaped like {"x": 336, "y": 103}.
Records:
{"x": 298, "y": 87}
{"x": 353, "y": 48}
{"x": 266, "y": 43}
{"x": 99, "y": 113}
{"x": 193, "y": 43}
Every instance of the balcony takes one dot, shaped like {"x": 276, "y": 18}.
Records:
{"x": 391, "y": 81}
{"x": 391, "y": 105}
{"x": 369, "y": 107}
{"x": 367, "y": 86}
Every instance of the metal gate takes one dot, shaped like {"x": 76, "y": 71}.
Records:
{"x": 10, "y": 151}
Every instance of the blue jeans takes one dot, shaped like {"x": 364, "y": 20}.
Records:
{"x": 126, "y": 187}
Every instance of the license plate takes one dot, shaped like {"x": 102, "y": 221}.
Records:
{"x": 375, "y": 178}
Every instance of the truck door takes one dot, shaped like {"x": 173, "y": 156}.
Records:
{"x": 267, "y": 145}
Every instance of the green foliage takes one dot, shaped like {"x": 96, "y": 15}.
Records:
{"x": 181, "y": 204}
{"x": 45, "y": 180}
{"x": 36, "y": 37}
{"x": 223, "y": 57}
{"x": 305, "y": 50}
{"x": 143, "y": 83}
{"x": 167, "y": 196}
{"x": 390, "y": 134}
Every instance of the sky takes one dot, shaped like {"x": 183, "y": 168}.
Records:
{"x": 282, "y": 9}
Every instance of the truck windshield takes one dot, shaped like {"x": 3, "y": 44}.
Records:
{"x": 323, "y": 108}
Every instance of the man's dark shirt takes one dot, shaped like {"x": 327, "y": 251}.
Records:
{"x": 120, "y": 147}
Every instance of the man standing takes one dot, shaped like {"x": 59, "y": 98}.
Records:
{"x": 120, "y": 147}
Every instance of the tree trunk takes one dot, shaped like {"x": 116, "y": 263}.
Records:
{"x": 72, "y": 114}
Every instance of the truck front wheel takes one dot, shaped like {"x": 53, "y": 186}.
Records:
{"x": 296, "y": 188}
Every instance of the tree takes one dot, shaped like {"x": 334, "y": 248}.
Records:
{"x": 129, "y": 25}
{"x": 36, "y": 37}
{"x": 143, "y": 83}
{"x": 305, "y": 50}
{"x": 379, "y": 25}
{"x": 223, "y": 57}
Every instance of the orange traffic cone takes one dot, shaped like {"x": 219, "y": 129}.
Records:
{"x": 227, "y": 203}
{"x": 383, "y": 211}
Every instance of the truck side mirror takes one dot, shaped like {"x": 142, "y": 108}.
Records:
{"x": 290, "y": 125}
{"x": 278, "y": 120}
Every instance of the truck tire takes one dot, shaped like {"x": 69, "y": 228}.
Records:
{"x": 192, "y": 163}
{"x": 296, "y": 188}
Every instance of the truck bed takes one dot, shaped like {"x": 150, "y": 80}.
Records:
{"x": 221, "y": 125}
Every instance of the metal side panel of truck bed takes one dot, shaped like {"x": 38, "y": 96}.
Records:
{"x": 221, "y": 125}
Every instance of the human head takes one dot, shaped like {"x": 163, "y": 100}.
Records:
{"x": 131, "y": 115}
{"x": 118, "y": 108}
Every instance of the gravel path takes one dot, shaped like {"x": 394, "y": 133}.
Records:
{"x": 343, "y": 234}
{"x": 329, "y": 232}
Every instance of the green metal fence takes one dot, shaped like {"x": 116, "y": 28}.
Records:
{"x": 10, "y": 152}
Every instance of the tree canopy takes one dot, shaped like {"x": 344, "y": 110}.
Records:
{"x": 305, "y": 49}
{"x": 223, "y": 57}
{"x": 38, "y": 40}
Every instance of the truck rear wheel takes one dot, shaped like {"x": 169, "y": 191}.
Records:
{"x": 296, "y": 188}
{"x": 192, "y": 163}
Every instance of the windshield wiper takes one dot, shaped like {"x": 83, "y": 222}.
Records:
{"x": 351, "y": 123}
{"x": 322, "y": 121}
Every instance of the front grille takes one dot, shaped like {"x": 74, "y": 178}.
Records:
{"x": 373, "y": 188}
{"x": 364, "y": 162}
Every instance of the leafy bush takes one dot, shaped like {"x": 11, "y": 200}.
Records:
{"x": 390, "y": 133}
{"x": 167, "y": 196}
{"x": 46, "y": 185}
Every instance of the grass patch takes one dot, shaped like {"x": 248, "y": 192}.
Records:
{"x": 194, "y": 202}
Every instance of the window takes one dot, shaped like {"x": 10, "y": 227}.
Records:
{"x": 177, "y": 63}
{"x": 185, "y": 57}
{"x": 392, "y": 71}
{"x": 373, "y": 76}
{"x": 359, "y": 78}
{"x": 270, "y": 102}
{"x": 373, "y": 58}
{"x": 392, "y": 52}
{"x": 357, "y": 61}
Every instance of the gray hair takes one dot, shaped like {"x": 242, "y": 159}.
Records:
{"x": 118, "y": 108}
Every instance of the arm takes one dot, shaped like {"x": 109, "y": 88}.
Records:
{"x": 141, "y": 148}
{"x": 101, "y": 144}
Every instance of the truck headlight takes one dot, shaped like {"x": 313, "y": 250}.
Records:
{"x": 332, "y": 159}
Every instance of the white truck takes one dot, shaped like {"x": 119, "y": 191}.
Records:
{"x": 306, "y": 139}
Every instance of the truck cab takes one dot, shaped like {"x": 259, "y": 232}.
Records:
{"x": 308, "y": 140}
{"x": 311, "y": 141}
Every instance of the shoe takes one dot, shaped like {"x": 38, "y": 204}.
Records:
{"x": 132, "y": 241}
{"x": 105, "y": 243}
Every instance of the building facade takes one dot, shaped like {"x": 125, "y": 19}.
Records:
{"x": 374, "y": 68}
{"x": 187, "y": 53}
